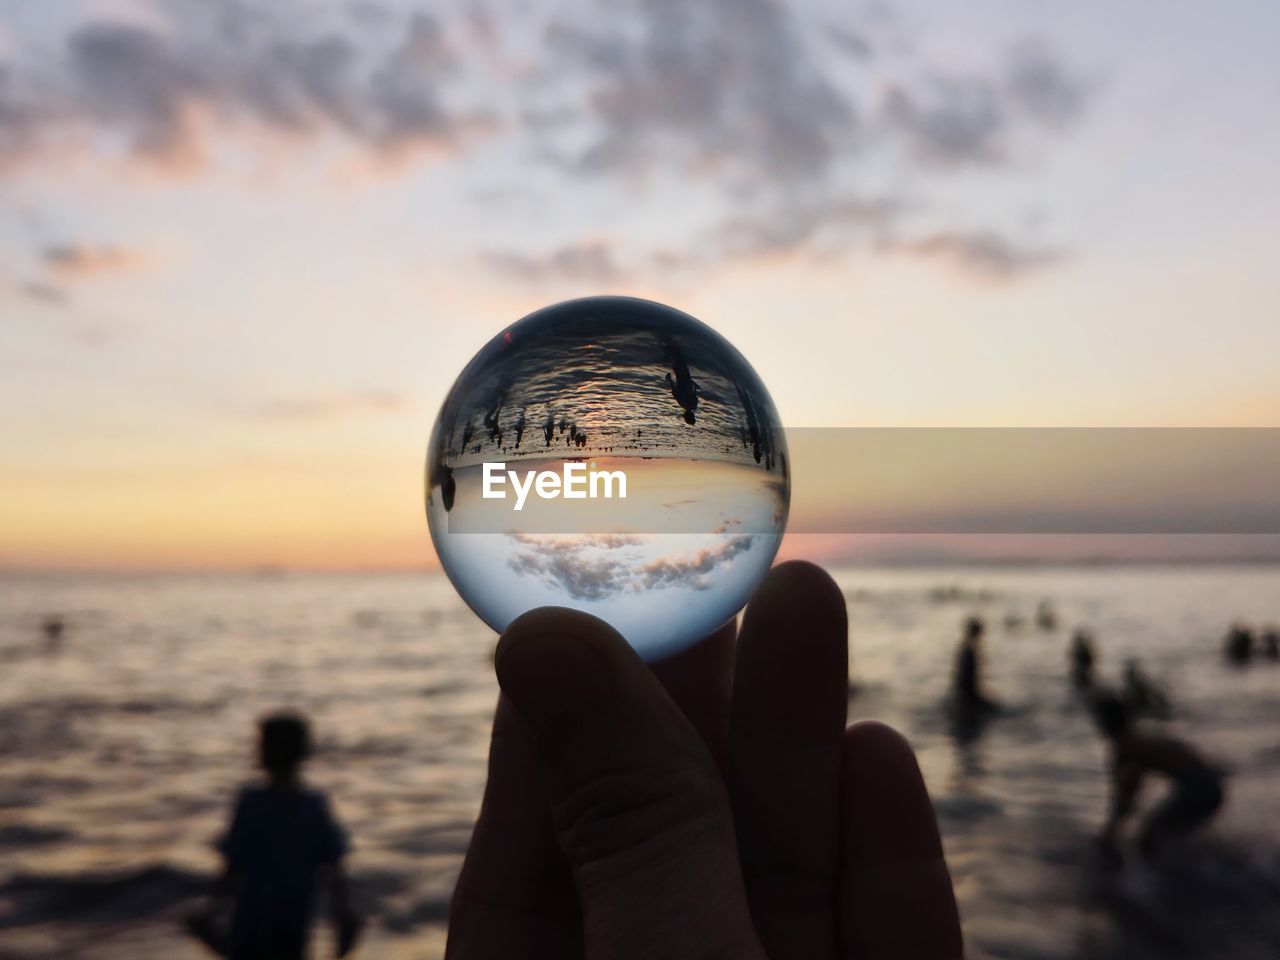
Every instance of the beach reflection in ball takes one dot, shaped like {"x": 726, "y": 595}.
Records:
{"x": 616, "y": 456}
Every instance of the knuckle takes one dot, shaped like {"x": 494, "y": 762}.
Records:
{"x": 635, "y": 812}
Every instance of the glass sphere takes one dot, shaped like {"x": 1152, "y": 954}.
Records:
{"x": 615, "y": 456}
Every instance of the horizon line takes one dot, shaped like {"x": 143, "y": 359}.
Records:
{"x": 268, "y": 571}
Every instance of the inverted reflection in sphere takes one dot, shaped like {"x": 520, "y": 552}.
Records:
{"x": 646, "y": 461}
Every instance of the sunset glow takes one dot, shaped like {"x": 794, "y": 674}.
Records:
{"x": 236, "y": 283}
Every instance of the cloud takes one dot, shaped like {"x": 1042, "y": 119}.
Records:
{"x": 589, "y": 263}
{"x": 171, "y": 97}
{"x": 580, "y": 577}
{"x": 806, "y": 226}
{"x": 822, "y": 228}
{"x": 791, "y": 118}
{"x": 580, "y": 541}
{"x": 949, "y": 120}
{"x": 19, "y": 122}
{"x": 329, "y": 406}
{"x": 983, "y": 254}
{"x": 749, "y": 92}
{"x": 1042, "y": 87}
{"x": 574, "y": 564}
{"x": 405, "y": 105}
{"x": 692, "y": 569}
{"x": 128, "y": 76}
{"x": 853, "y": 42}
{"x": 725, "y": 85}
{"x": 806, "y": 134}
{"x": 73, "y": 260}
{"x": 40, "y": 291}
{"x": 577, "y": 566}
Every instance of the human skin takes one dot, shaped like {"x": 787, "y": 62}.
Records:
{"x": 712, "y": 807}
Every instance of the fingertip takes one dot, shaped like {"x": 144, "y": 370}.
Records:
{"x": 792, "y": 677}
{"x": 869, "y": 742}
{"x": 883, "y": 785}
{"x": 801, "y": 604}
{"x": 546, "y": 633}
{"x": 541, "y": 623}
{"x": 552, "y": 661}
{"x": 802, "y": 600}
{"x": 799, "y": 582}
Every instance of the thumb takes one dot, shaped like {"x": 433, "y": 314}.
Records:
{"x": 638, "y": 804}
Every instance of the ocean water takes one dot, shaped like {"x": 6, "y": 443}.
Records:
{"x": 122, "y": 746}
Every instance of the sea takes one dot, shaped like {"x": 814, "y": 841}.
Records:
{"x": 124, "y": 741}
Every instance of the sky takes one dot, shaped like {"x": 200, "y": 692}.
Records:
{"x": 245, "y": 248}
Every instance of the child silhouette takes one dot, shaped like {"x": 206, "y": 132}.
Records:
{"x": 282, "y": 842}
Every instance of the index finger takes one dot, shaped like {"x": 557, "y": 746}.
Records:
{"x": 790, "y": 696}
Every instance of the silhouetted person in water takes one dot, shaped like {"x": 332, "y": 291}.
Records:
{"x": 1141, "y": 694}
{"x": 752, "y": 429}
{"x": 1046, "y": 616}
{"x": 1271, "y": 644}
{"x": 492, "y": 424}
{"x": 282, "y": 842}
{"x": 1197, "y": 787}
{"x": 685, "y": 390}
{"x": 53, "y": 629}
{"x": 1082, "y": 658}
{"x": 519, "y": 429}
{"x": 968, "y": 684}
{"x": 448, "y": 487}
{"x": 1237, "y": 647}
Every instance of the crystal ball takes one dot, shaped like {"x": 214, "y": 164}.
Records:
{"x": 616, "y": 456}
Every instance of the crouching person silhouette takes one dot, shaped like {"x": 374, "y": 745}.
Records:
{"x": 1197, "y": 787}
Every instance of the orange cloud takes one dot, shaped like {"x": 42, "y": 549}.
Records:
{"x": 982, "y": 255}
{"x": 73, "y": 261}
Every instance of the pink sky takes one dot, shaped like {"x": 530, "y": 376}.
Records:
{"x": 243, "y": 254}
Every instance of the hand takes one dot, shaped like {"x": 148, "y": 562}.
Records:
{"x": 211, "y": 911}
{"x": 1109, "y": 854}
{"x": 607, "y": 830}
